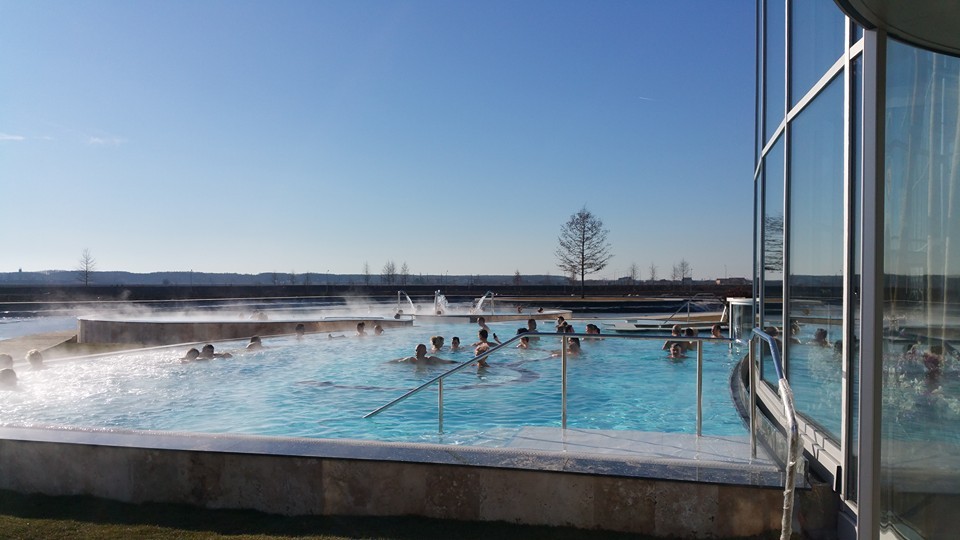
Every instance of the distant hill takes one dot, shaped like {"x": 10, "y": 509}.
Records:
{"x": 109, "y": 278}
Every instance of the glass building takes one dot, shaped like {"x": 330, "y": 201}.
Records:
{"x": 857, "y": 267}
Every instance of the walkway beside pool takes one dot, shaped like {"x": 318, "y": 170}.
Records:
{"x": 672, "y": 456}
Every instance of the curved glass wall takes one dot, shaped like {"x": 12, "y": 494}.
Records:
{"x": 774, "y": 25}
{"x": 816, "y": 42}
{"x": 920, "y": 430}
{"x": 811, "y": 241}
{"x": 773, "y": 219}
{"x": 815, "y": 294}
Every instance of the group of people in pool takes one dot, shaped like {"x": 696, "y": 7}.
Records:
{"x": 8, "y": 377}
{"x": 677, "y": 349}
{"x": 484, "y": 343}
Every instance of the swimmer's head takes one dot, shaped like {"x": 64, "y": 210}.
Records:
{"x": 35, "y": 358}
{"x": 675, "y": 330}
{"x": 300, "y": 329}
{"x": 421, "y": 350}
{"x": 481, "y": 320}
{"x": 531, "y": 324}
{"x": 192, "y": 354}
{"x": 455, "y": 341}
{"x": 378, "y": 329}
{"x": 8, "y": 378}
{"x": 436, "y": 341}
{"x": 483, "y": 334}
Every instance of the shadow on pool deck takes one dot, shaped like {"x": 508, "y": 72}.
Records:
{"x": 82, "y": 516}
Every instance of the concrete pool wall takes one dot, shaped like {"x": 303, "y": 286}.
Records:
{"x": 322, "y": 477}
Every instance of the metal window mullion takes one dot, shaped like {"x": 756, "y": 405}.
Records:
{"x": 871, "y": 297}
{"x": 847, "y": 302}
{"x": 785, "y": 279}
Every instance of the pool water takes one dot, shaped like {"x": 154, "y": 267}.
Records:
{"x": 321, "y": 388}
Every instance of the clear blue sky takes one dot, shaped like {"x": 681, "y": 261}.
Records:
{"x": 314, "y": 136}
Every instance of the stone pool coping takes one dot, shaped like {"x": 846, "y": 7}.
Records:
{"x": 347, "y": 477}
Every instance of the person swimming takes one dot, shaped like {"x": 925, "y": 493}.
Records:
{"x": 482, "y": 322}
{"x": 479, "y": 350}
{"x": 436, "y": 343}
{"x": 482, "y": 335}
{"x": 361, "y": 329}
{"x": 676, "y": 352}
{"x": 377, "y": 330}
{"x": 455, "y": 344}
{"x": 532, "y": 327}
{"x": 191, "y": 355}
{"x": 207, "y": 353}
{"x": 8, "y": 379}
{"x": 675, "y": 331}
{"x": 255, "y": 344}
{"x": 299, "y": 331}
{"x": 420, "y": 357}
{"x": 35, "y": 357}
{"x": 573, "y": 348}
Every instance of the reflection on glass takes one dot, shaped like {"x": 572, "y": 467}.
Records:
{"x": 816, "y": 42}
{"x": 772, "y": 257}
{"x": 816, "y": 258}
{"x": 856, "y": 173}
{"x": 773, "y": 65}
{"x": 920, "y": 433}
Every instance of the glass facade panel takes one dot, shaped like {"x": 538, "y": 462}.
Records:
{"x": 815, "y": 296}
{"x": 856, "y": 211}
{"x": 772, "y": 242}
{"x": 920, "y": 433}
{"x": 816, "y": 42}
{"x": 774, "y": 23}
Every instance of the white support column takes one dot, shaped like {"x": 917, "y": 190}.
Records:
{"x": 871, "y": 313}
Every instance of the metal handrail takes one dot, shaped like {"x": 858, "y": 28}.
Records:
{"x": 793, "y": 434}
{"x": 685, "y": 305}
{"x": 563, "y": 357}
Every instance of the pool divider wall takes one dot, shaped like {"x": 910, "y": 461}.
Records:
{"x": 159, "y": 332}
{"x": 62, "y": 462}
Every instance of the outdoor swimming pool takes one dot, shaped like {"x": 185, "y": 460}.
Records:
{"x": 321, "y": 388}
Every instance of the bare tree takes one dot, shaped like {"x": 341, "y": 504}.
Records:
{"x": 681, "y": 271}
{"x": 389, "y": 273}
{"x": 653, "y": 272}
{"x": 404, "y": 273}
{"x": 583, "y": 246}
{"x": 634, "y": 272}
{"x": 86, "y": 267}
{"x": 773, "y": 243}
{"x": 517, "y": 278}
{"x": 366, "y": 273}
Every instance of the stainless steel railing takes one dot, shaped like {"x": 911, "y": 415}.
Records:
{"x": 793, "y": 435}
{"x": 686, "y": 304}
{"x": 438, "y": 380}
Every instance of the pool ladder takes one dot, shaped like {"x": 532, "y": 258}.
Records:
{"x": 790, "y": 412}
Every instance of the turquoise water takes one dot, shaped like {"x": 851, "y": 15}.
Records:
{"x": 321, "y": 388}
